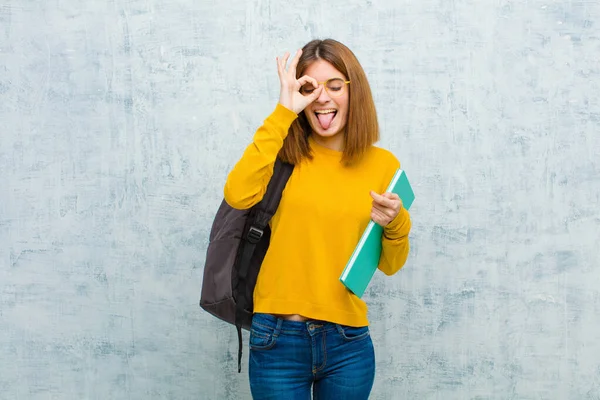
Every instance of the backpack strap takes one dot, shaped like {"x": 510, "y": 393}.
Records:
{"x": 258, "y": 221}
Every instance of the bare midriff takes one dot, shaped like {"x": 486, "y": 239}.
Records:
{"x": 291, "y": 317}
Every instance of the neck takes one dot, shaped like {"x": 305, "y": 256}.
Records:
{"x": 335, "y": 142}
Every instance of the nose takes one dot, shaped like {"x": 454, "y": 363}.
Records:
{"x": 324, "y": 96}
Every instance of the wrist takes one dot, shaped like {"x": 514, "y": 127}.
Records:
{"x": 399, "y": 226}
{"x": 287, "y": 107}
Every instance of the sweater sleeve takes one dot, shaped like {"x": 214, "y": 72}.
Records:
{"x": 247, "y": 182}
{"x": 395, "y": 243}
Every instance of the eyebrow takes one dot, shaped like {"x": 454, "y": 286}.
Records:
{"x": 335, "y": 77}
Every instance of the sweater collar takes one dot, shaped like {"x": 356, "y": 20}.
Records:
{"x": 319, "y": 149}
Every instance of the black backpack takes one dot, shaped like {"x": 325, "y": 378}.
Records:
{"x": 238, "y": 242}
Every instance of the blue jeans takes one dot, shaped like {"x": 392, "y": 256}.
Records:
{"x": 289, "y": 359}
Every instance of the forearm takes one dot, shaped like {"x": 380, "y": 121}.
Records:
{"x": 247, "y": 182}
{"x": 395, "y": 244}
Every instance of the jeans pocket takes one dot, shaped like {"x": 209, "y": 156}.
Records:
{"x": 262, "y": 337}
{"x": 352, "y": 333}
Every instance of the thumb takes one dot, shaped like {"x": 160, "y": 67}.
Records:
{"x": 376, "y": 196}
{"x": 316, "y": 93}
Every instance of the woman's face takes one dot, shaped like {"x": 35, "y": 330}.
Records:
{"x": 328, "y": 114}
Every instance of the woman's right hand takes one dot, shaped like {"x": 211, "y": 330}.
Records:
{"x": 290, "y": 96}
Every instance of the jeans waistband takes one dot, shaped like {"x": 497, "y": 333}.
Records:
{"x": 297, "y": 327}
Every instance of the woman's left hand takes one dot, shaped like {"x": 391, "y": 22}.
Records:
{"x": 386, "y": 207}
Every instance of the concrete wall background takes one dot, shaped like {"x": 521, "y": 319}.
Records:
{"x": 120, "y": 119}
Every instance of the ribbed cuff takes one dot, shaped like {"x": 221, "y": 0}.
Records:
{"x": 399, "y": 227}
{"x": 283, "y": 116}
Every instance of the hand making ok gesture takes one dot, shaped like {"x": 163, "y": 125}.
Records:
{"x": 290, "y": 96}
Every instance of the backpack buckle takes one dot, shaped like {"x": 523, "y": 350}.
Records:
{"x": 254, "y": 235}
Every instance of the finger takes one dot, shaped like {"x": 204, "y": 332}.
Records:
{"x": 384, "y": 201}
{"x": 375, "y": 218}
{"x": 391, "y": 195}
{"x": 308, "y": 79}
{"x": 294, "y": 62}
{"x": 279, "y": 70}
{"x": 284, "y": 61}
{"x": 375, "y": 195}
{"x": 375, "y": 215}
{"x": 315, "y": 95}
{"x": 395, "y": 198}
{"x": 379, "y": 218}
{"x": 388, "y": 212}
{"x": 385, "y": 219}
{"x": 383, "y": 212}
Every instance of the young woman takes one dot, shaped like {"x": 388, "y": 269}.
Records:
{"x": 309, "y": 333}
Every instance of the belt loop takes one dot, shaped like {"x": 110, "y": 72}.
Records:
{"x": 278, "y": 327}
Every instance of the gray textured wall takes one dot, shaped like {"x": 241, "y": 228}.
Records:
{"x": 120, "y": 119}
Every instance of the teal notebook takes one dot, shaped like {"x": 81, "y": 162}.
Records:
{"x": 365, "y": 259}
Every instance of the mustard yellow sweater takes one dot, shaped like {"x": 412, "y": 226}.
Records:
{"x": 324, "y": 209}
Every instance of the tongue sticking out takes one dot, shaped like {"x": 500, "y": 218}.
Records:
{"x": 325, "y": 119}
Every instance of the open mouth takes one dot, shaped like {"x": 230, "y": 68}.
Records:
{"x": 325, "y": 117}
